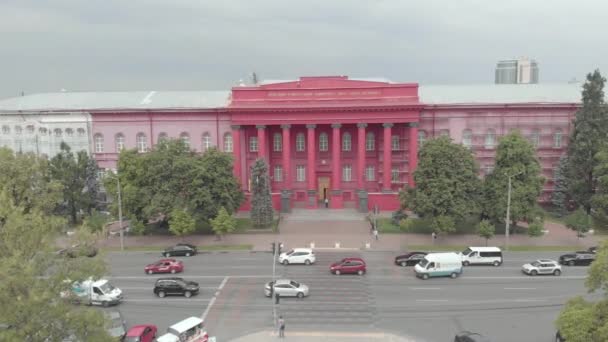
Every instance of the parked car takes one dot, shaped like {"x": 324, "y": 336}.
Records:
{"x": 481, "y": 256}
{"x": 592, "y": 249}
{"x": 141, "y": 333}
{"x": 285, "y": 288}
{"x": 165, "y": 266}
{"x": 78, "y": 250}
{"x": 542, "y": 266}
{"x": 467, "y": 336}
{"x": 439, "y": 265}
{"x": 559, "y": 338}
{"x": 181, "y": 249}
{"x": 175, "y": 286}
{"x": 118, "y": 327}
{"x": 409, "y": 259}
{"x": 581, "y": 258}
{"x": 348, "y": 266}
{"x": 298, "y": 256}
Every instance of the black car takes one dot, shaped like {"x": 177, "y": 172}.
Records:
{"x": 78, "y": 250}
{"x": 409, "y": 259}
{"x": 583, "y": 258}
{"x": 592, "y": 249}
{"x": 175, "y": 287}
{"x": 467, "y": 336}
{"x": 181, "y": 249}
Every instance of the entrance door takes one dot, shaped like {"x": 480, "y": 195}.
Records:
{"x": 323, "y": 188}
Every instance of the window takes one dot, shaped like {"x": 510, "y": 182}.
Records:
{"x": 557, "y": 139}
{"x": 69, "y": 132}
{"x": 253, "y": 144}
{"x": 370, "y": 142}
{"x": 394, "y": 175}
{"x": 323, "y": 142}
{"x": 80, "y": 132}
{"x": 207, "y": 141}
{"x": 42, "y": 131}
{"x": 370, "y": 173}
{"x": 185, "y": 138}
{"x": 490, "y": 139}
{"x": 228, "y": 142}
{"x": 6, "y": 129}
{"x": 300, "y": 142}
{"x": 347, "y": 173}
{"x": 278, "y": 173}
{"x": 162, "y": 137}
{"x": 444, "y": 133}
{"x": 277, "y": 142}
{"x": 57, "y": 132}
{"x": 421, "y": 138}
{"x": 346, "y": 142}
{"x": 535, "y": 138}
{"x": 300, "y": 173}
{"x": 18, "y": 130}
{"x": 467, "y": 138}
{"x": 98, "y": 143}
{"x": 120, "y": 142}
{"x": 142, "y": 143}
{"x": 395, "y": 143}
{"x": 30, "y": 129}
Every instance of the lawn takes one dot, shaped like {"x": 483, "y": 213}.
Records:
{"x": 244, "y": 225}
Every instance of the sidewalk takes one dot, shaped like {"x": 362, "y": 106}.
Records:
{"x": 322, "y": 336}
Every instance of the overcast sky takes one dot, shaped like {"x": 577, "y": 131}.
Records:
{"x": 209, "y": 45}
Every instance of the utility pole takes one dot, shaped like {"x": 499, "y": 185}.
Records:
{"x": 122, "y": 238}
{"x": 272, "y": 294}
{"x": 508, "y": 211}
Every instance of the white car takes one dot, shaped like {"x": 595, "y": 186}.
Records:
{"x": 286, "y": 288}
{"x": 542, "y": 266}
{"x": 298, "y": 256}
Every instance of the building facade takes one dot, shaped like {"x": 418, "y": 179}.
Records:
{"x": 353, "y": 142}
{"x": 516, "y": 71}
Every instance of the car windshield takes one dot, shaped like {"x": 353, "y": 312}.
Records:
{"x": 107, "y": 287}
{"x": 295, "y": 284}
{"x": 423, "y": 262}
{"x": 535, "y": 263}
{"x": 466, "y": 251}
{"x": 290, "y": 252}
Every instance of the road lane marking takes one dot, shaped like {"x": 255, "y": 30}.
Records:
{"x": 172, "y": 300}
{"x": 217, "y": 293}
{"x": 530, "y": 300}
{"x": 425, "y": 288}
{"x": 519, "y": 288}
{"x": 193, "y": 276}
{"x": 431, "y": 300}
{"x": 149, "y": 288}
{"x": 527, "y": 277}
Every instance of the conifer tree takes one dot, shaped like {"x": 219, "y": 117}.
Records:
{"x": 559, "y": 197}
{"x": 261, "y": 201}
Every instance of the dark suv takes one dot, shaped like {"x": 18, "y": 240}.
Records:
{"x": 181, "y": 249}
{"x": 577, "y": 259}
{"x": 175, "y": 287}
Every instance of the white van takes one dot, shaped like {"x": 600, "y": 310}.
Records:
{"x": 93, "y": 292}
{"x": 481, "y": 256}
{"x": 190, "y": 329}
{"x": 439, "y": 265}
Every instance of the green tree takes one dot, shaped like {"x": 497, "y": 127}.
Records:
{"x": 559, "y": 197}
{"x": 181, "y": 222}
{"x": 599, "y": 200}
{"x": 515, "y": 157}
{"x": 586, "y": 140}
{"x": 486, "y": 230}
{"x": 261, "y": 201}
{"x": 579, "y": 222}
{"x": 536, "y": 227}
{"x": 76, "y": 175}
{"x": 223, "y": 223}
{"x": 447, "y": 187}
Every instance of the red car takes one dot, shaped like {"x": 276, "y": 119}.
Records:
{"x": 141, "y": 333}
{"x": 348, "y": 266}
{"x": 165, "y": 266}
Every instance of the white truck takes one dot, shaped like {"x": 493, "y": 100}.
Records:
{"x": 93, "y": 292}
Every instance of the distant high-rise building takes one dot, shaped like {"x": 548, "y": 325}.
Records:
{"x": 516, "y": 71}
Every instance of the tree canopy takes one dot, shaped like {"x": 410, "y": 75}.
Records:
{"x": 261, "y": 200}
{"x": 486, "y": 230}
{"x": 223, "y": 223}
{"x": 559, "y": 197}
{"x": 181, "y": 222}
{"x": 599, "y": 200}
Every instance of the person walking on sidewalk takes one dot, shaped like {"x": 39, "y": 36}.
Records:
{"x": 281, "y": 327}
{"x": 376, "y": 233}
{"x": 326, "y": 202}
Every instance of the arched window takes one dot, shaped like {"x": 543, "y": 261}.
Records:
{"x": 557, "y": 139}
{"x": 370, "y": 173}
{"x": 120, "y": 142}
{"x": 467, "y": 138}
{"x": 18, "y": 130}
{"x": 421, "y": 138}
{"x": 535, "y": 138}
{"x": 347, "y": 142}
{"x": 253, "y": 144}
{"x": 80, "y": 132}
{"x": 370, "y": 141}
{"x": 347, "y": 173}
{"x": 69, "y": 132}
{"x": 57, "y": 132}
{"x": 98, "y": 140}
{"x": 490, "y": 139}
{"x": 300, "y": 142}
{"x": 6, "y": 129}
{"x": 206, "y": 141}
{"x": 42, "y": 131}
{"x": 142, "y": 143}
{"x": 277, "y": 142}
{"x": 30, "y": 129}
{"x": 162, "y": 137}
{"x": 395, "y": 143}
{"x": 228, "y": 142}
{"x": 185, "y": 138}
{"x": 323, "y": 142}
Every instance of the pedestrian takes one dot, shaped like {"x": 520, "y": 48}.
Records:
{"x": 326, "y": 202}
{"x": 281, "y": 327}
{"x": 434, "y": 236}
{"x": 376, "y": 233}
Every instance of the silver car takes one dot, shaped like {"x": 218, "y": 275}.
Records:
{"x": 286, "y": 288}
{"x": 542, "y": 266}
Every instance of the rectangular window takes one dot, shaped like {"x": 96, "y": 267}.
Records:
{"x": 347, "y": 173}
{"x": 300, "y": 173}
{"x": 300, "y": 142}
{"x": 277, "y": 143}
{"x": 370, "y": 173}
{"x": 395, "y": 143}
{"x": 278, "y": 173}
{"x": 253, "y": 144}
{"x": 557, "y": 139}
{"x": 394, "y": 175}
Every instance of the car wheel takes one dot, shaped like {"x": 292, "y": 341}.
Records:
{"x": 300, "y": 294}
{"x": 188, "y": 294}
{"x": 105, "y": 304}
{"x": 465, "y": 263}
{"x": 571, "y": 263}
{"x": 167, "y": 254}
{"x": 454, "y": 275}
{"x": 173, "y": 271}
{"x": 403, "y": 264}
{"x": 307, "y": 262}
{"x": 285, "y": 262}
{"x": 360, "y": 272}
{"x": 425, "y": 276}
{"x": 161, "y": 294}
{"x": 150, "y": 272}
{"x": 337, "y": 272}
{"x": 533, "y": 272}
{"x": 496, "y": 263}
{"x": 557, "y": 272}
{"x": 188, "y": 254}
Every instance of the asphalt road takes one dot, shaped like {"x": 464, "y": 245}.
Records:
{"x": 499, "y": 302}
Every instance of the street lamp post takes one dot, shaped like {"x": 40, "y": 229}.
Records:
{"x": 122, "y": 238}
{"x": 508, "y": 210}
